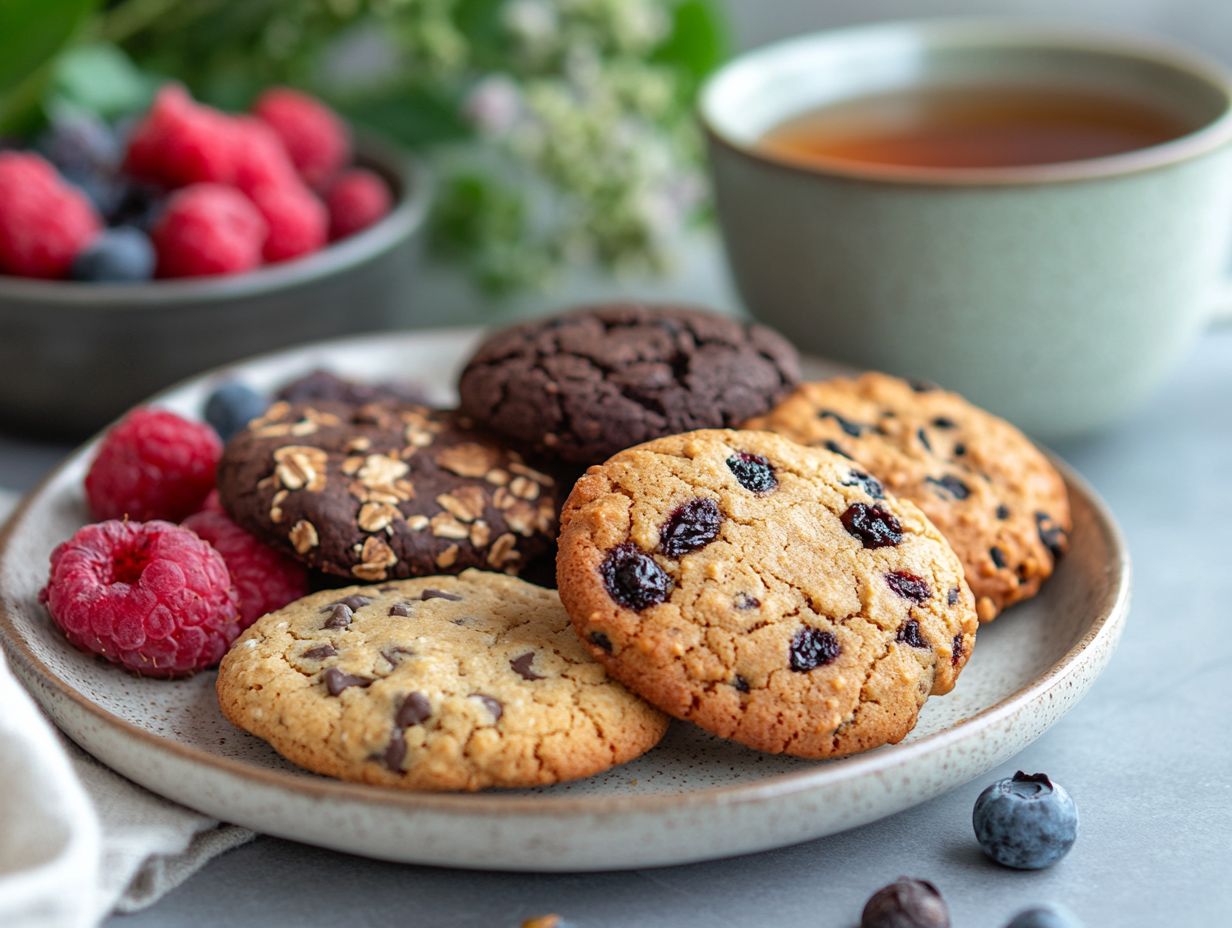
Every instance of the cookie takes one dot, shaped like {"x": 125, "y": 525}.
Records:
{"x": 581, "y": 386}
{"x": 324, "y": 386}
{"x": 771, "y": 593}
{"x": 441, "y": 683}
{"x": 383, "y": 491}
{"x": 994, "y": 495}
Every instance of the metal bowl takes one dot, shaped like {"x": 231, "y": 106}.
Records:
{"x": 73, "y": 356}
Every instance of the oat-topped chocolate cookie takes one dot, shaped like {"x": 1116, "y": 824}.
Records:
{"x": 380, "y": 491}
{"x": 770, "y": 593}
{"x": 993, "y": 494}
{"x": 583, "y": 385}
{"x": 438, "y": 683}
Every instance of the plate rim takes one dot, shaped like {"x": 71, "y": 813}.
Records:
{"x": 1106, "y": 626}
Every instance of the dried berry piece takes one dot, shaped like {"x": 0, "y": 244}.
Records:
{"x": 957, "y": 649}
{"x": 1003, "y": 511}
{"x": 633, "y": 579}
{"x": 906, "y": 903}
{"x": 601, "y": 641}
{"x": 812, "y": 648}
{"x": 909, "y": 633}
{"x": 950, "y": 485}
{"x": 854, "y": 429}
{"x": 959, "y": 449}
{"x": 1051, "y": 535}
{"x": 923, "y": 437}
{"x": 521, "y": 666}
{"x": 336, "y": 681}
{"x": 952, "y": 596}
{"x": 874, "y": 526}
{"x": 753, "y": 472}
{"x": 690, "y": 527}
{"x": 835, "y": 448}
{"x": 908, "y": 586}
{"x": 740, "y": 684}
{"x": 869, "y": 484}
{"x": 944, "y": 422}
{"x": 997, "y": 555}
{"x": 415, "y": 709}
{"x": 743, "y": 601}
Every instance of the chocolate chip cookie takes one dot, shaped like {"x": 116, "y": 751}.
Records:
{"x": 441, "y": 683}
{"x": 771, "y": 593}
{"x": 580, "y": 386}
{"x": 994, "y": 495}
{"x": 381, "y": 491}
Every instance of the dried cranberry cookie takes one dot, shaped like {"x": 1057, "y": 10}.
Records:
{"x": 994, "y": 495}
{"x": 771, "y": 593}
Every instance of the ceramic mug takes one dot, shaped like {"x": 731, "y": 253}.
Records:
{"x": 1057, "y": 295}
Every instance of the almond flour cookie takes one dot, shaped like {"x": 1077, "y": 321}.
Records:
{"x": 380, "y": 491}
{"x": 994, "y": 495}
{"x": 770, "y": 593}
{"x": 440, "y": 683}
{"x": 580, "y": 386}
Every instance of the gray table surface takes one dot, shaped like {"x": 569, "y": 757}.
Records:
{"x": 1147, "y": 756}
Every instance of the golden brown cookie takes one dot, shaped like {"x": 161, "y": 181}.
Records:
{"x": 994, "y": 495}
{"x": 770, "y": 593}
{"x": 441, "y": 683}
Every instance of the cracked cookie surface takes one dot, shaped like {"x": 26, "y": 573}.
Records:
{"x": 771, "y": 593}
{"x": 580, "y": 386}
{"x": 439, "y": 683}
{"x": 385, "y": 491}
{"x": 992, "y": 493}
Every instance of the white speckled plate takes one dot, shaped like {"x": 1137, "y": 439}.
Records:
{"x": 693, "y": 797}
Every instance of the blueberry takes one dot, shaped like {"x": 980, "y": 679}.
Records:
{"x": 1026, "y": 821}
{"x": 115, "y": 256}
{"x": 1045, "y": 916}
{"x": 232, "y": 406}
{"x": 906, "y": 903}
{"x": 79, "y": 144}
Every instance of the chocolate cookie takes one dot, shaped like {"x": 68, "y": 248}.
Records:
{"x": 770, "y": 593}
{"x": 994, "y": 495}
{"x": 583, "y": 385}
{"x": 443, "y": 683}
{"x": 379, "y": 491}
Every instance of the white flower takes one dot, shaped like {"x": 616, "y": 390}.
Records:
{"x": 493, "y": 105}
{"x": 534, "y": 22}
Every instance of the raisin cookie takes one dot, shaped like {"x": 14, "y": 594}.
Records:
{"x": 581, "y": 386}
{"x": 771, "y": 593}
{"x": 381, "y": 491}
{"x": 994, "y": 495}
{"x": 441, "y": 683}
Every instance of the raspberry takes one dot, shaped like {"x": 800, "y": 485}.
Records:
{"x": 153, "y": 465}
{"x": 261, "y": 159}
{"x": 150, "y": 596}
{"x": 265, "y": 579}
{"x": 296, "y": 219}
{"x": 317, "y": 140}
{"x": 44, "y": 222}
{"x": 181, "y": 142}
{"x": 356, "y": 201}
{"x": 208, "y": 229}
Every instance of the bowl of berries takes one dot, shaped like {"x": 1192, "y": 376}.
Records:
{"x": 137, "y": 255}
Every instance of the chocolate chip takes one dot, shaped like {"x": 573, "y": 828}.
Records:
{"x": 633, "y": 579}
{"x": 854, "y": 429}
{"x": 908, "y": 586}
{"x": 951, "y": 485}
{"x": 743, "y": 601}
{"x": 690, "y": 527}
{"x": 354, "y": 602}
{"x": 321, "y": 652}
{"x": 923, "y": 437}
{"x": 400, "y": 609}
{"x": 395, "y": 751}
{"x": 812, "y": 648}
{"x": 336, "y": 681}
{"x": 753, "y": 472}
{"x": 395, "y": 654}
{"x": 952, "y": 596}
{"x": 959, "y": 449}
{"x": 874, "y": 526}
{"x": 387, "y": 589}
{"x": 957, "y": 649}
{"x": 944, "y": 422}
{"x": 339, "y": 617}
{"x": 869, "y": 484}
{"x": 1051, "y": 535}
{"x": 415, "y": 708}
{"x": 440, "y": 594}
{"x": 835, "y": 448}
{"x": 521, "y": 666}
{"x": 601, "y": 641}
{"x": 492, "y": 705}
{"x": 740, "y": 683}
{"x": 997, "y": 555}
{"x": 909, "y": 633}
{"x": 1003, "y": 511}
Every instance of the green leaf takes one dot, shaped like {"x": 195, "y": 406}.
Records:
{"x": 31, "y": 33}
{"x": 101, "y": 79}
{"x": 697, "y": 43}
{"x": 412, "y": 115}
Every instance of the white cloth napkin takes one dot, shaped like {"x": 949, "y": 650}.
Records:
{"x": 78, "y": 841}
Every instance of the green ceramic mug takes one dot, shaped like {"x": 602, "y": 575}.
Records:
{"x": 1057, "y": 295}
